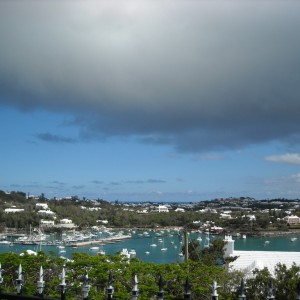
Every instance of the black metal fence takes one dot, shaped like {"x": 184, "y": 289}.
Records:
{"x": 110, "y": 288}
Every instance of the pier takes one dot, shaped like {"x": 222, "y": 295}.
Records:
{"x": 103, "y": 241}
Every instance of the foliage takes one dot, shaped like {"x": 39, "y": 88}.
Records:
{"x": 285, "y": 282}
{"x": 98, "y": 267}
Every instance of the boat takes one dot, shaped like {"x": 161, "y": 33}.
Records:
{"x": 94, "y": 248}
{"x": 153, "y": 245}
{"x": 163, "y": 247}
{"x": 132, "y": 253}
{"x": 147, "y": 252}
{"x": 101, "y": 252}
{"x": 244, "y": 236}
{"x": 267, "y": 242}
{"x": 293, "y": 239}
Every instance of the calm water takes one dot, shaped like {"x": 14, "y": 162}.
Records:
{"x": 164, "y": 239}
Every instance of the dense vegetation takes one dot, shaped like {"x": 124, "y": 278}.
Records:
{"x": 199, "y": 274}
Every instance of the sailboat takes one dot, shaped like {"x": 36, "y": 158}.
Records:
{"x": 163, "y": 248}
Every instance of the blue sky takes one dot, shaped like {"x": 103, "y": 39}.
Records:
{"x": 150, "y": 101}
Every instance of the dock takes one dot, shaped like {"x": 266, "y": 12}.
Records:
{"x": 109, "y": 240}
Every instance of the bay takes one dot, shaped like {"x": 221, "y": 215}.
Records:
{"x": 141, "y": 242}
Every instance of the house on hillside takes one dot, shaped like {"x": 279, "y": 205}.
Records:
{"x": 292, "y": 219}
{"x": 46, "y": 223}
{"x": 41, "y": 206}
{"x": 13, "y": 210}
{"x": 162, "y": 208}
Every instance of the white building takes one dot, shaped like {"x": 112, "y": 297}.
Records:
{"x": 66, "y": 223}
{"x": 162, "y": 208}
{"x": 13, "y": 210}
{"x": 247, "y": 261}
{"x": 46, "y": 223}
{"x": 41, "y": 206}
{"x": 292, "y": 219}
{"x": 46, "y": 212}
{"x": 178, "y": 209}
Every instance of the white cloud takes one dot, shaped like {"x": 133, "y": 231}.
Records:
{"x": 290, "y": 158}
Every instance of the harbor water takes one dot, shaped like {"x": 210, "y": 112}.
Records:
{"x": 155, "y": 246}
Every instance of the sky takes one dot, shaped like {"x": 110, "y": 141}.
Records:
{"x": 150, "y": 100}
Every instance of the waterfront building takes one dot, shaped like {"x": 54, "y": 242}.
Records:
{"x": 292, "y": 219}
{"x": 248, "y": 261}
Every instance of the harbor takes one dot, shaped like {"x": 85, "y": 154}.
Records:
{"x": 157, "y": 246}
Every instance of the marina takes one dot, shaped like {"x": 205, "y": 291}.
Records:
{"x": 157, "y": 246}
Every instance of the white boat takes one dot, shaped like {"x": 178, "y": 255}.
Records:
{"x": 147, "y": 252}
{"x": 244, "y": 236}
{"x": 164, "y": 249}
{"x": 267, "y": 242}
{"x": 180, "y": 254}
{"x": 153, "y": 245}
{"x": 94, "y": 248}
{"x": 132, "y": 252}
{"x": 293, "y": 239}
{"x": 101, "y": 252}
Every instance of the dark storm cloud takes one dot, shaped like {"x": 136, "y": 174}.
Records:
{"x": 198, "y": 75}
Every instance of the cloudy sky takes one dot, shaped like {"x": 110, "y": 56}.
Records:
{"x": 150, "y": 100}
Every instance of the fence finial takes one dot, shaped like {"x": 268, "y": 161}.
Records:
{"x": 160, "y": 294}
{"x": 63, "y": 285}
{"x": 270, "y": 291}
{"x": 187, "y": 289}
{"x": 110, "y": 289}
{"x": 135, "y": 290}
{"x": 41, "y": 282}
{"x": 298, "y": 290}
{"x": 19, "y": 280}
{"x": 1, "y": 278}
{"x": 214, "y": 294}
{"x": 242, "y": 290}
{"x": 86, "y": 287}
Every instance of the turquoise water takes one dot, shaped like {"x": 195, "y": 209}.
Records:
{"x": 168, "y": 239}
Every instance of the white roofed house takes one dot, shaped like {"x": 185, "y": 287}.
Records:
{"x": 162, "y": 208}
{"x": 13, "y": 210}
{"x": 292, "y": 219}
{"x": 66, "y": 223}
{"x": 46, "y": 223}
{"x": 248, "y": 261}
{"x": 41, "y": 206}
{"x": 46, "y": 212}
{"x": 178, "y": 209}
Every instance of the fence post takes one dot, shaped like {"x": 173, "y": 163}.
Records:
{"x": 41, "y": 282}
{"x": 298, "y": 291}
{"x": 1, "y": 279}
{"x": 187, "y": 289}
{"x": 242, "y": 289}
{"x": 63, "y": 285}
{"x": 20, "y": 281}
{"x": 214, "y": 294}
{"x": 110, "y": 289}
{"x": 135, "y": 290}
{"x": 86, "y": 287}
{"x": 160, "y": 294}
{"x": 270, "y": 291}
